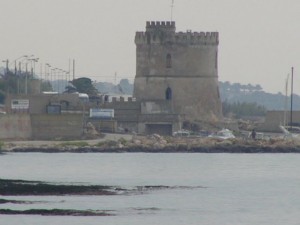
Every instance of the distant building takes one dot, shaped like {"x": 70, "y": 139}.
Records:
{"x": 276, "y": 118}
{"x": 180, "y": 68}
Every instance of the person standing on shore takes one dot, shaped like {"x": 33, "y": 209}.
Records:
{"x": 253, "y": 134}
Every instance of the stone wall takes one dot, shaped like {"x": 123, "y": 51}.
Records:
{"x": 186, "y": 60}
{"x": 40, "y": 126}
{"x": 126, "y": 114}
{"x": 276, "y": 118}
{"x": 69, "y": 124}
{"x": 156, "y": 107}
{"x": 195, "y": 98}
{"x": 38, "y": 102}
{"x": 168, "y": 123}
{"x": 48, "y": 127}
{"x": 17, "y": 126}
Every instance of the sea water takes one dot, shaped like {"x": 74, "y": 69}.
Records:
{"x": 205, "y": 189}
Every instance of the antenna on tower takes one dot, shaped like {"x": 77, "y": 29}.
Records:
{"x": 172, "y": 6}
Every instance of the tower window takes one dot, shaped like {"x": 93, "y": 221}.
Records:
{"x": 169, "y": 61}
{"x": 216, "y": 61}
{"x": 168, "y": 93}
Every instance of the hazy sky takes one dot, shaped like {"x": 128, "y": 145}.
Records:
{"x": 259, "y": 39}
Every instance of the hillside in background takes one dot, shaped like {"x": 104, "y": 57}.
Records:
{"x": 233, "y": 93}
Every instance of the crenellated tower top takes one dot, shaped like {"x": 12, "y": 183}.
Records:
{"x": 162, "y": 32}
{"x": 163, "y": 26}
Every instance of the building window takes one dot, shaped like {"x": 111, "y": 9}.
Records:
{"x": 168, "y": 61}
{"x": 168, "y": 93}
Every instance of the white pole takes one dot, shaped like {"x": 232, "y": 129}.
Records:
{"x": 286, "y": 101}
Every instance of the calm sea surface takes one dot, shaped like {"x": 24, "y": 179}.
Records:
{"x": 220, "y": 189}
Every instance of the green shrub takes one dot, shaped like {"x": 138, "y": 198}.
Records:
{"x": 123, "y": 141}
{"x": 108, "y": 143}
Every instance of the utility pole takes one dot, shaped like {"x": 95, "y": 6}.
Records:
{"x": 15, "y": 67}
{"x": 6, "y": 66}
{"x": 20, "y": 72}
{"x": 73, "y": 69}
{"x": 26, "y": 77}
{"x": 292, "y": 81}
{"x": 69, "y": 72}
{"x": 286, "y": 101}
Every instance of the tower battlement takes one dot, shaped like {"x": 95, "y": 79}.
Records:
{"x": 191, "y": 38}
{"x": 161, "y": 25}
{"x": 160, "y": 32}
{"x": 206, "y": 38}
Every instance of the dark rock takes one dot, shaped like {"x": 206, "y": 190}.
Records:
{"x": 56, "y": 212}
{"x": 20, "y": 187}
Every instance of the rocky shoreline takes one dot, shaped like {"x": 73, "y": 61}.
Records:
{"x": 175, "y": 149}
{"x": 159, "y": 144}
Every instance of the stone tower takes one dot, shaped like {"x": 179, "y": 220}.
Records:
{"x": 178, "y": 67}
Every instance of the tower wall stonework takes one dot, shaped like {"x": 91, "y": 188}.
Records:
{"x": 186, "y": 63}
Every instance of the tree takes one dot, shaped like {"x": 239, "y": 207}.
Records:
{"x": 84, "y": 85}
{"x": 250, "y": 87}
{"x": 227, "y": 85}
{"x": 258, "y": 88}
{"x": 125, "y": 87}
{"x": 243, "y": 109}
{"x": 70, "y": 88}
{"x": 236, "y": 87}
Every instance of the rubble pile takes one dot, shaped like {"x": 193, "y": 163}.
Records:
{"x": 157, "y": 142}
{"x": 90, "y": 131}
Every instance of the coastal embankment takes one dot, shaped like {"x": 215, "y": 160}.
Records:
{"x": 121, "y": 143}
